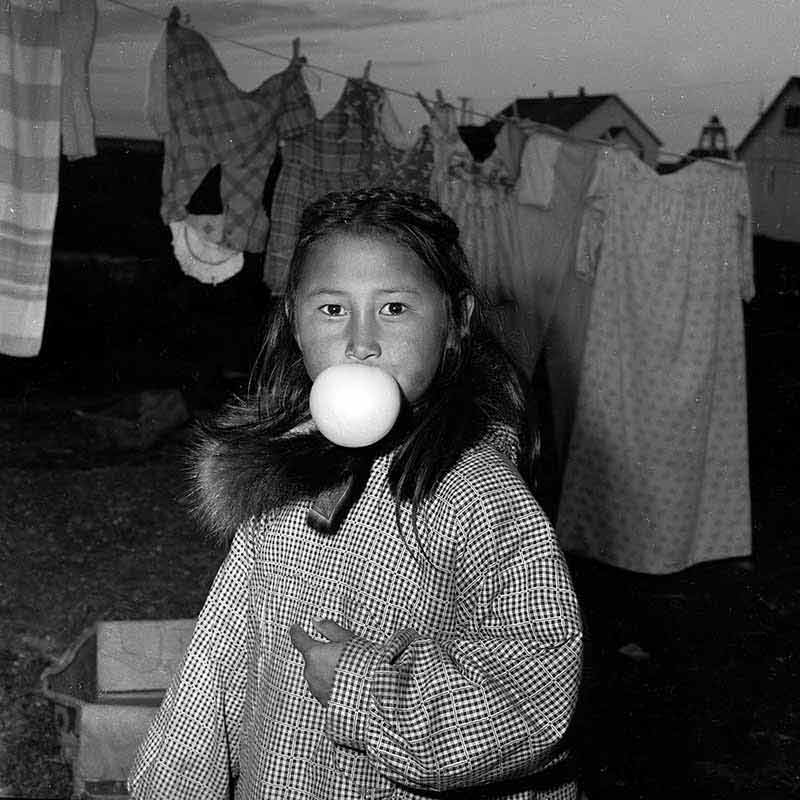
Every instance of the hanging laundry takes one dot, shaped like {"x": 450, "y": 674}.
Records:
{"x": 451, "y": 156}
{"x": 353, "y": 146}
{"x": 331, "y": 155}
{"x": 197, "y": 240}
{"x": 399, "y": 160}
{"x": 478, "y": 195}
{"x": 30, "y": 128}
{"x": 156, "y": 105}
{"x": 537, "y": 172}
{"x": 214, "y": 122}
{"x": 553, "y": 299}
{"x": 77, "y": 25}
{"x": 656, "y": 478}
{"x": 200, "y": 256}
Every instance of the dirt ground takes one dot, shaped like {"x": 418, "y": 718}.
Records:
{"x": 691, "y": 687}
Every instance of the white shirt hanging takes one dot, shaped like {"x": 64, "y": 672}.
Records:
{"x": 201, "y": 258}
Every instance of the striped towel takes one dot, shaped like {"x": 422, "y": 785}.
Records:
{"x": 30, "y": 125}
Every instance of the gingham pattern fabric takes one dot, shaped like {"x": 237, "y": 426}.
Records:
{"x": 214, "y": 122}
{"x": 344, "y": 150}
{"x": 464, "y": 669}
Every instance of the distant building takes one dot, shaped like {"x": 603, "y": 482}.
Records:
{"x": 713, "y": 142}
{"x": 771, "y": 150}
{"x": 590, "y": 116}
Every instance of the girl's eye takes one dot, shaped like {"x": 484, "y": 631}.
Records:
{"x": 393, "y": 309}
{"x": 332, "y": 309}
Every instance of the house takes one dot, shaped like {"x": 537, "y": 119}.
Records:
{"x": 590, "y": 116}
{"x": 771, "y": 151}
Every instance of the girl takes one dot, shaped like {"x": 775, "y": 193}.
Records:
{"x": 390, "y": 621}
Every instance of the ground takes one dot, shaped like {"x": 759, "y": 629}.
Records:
{"x": 691, "y": 686}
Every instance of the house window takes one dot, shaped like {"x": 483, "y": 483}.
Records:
{"x": 791, "y": 118}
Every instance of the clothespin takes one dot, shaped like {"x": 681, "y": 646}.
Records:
{"x": 466, "y": 111}
{"x": 296, "y": 57}
{"x": 367, "y": 68}
{"x": 423, "y": 101}
{"x": 440, "y": 98}
{"x": 174, "y": 17}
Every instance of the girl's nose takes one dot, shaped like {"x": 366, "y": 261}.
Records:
{"x": 363, "y": 342}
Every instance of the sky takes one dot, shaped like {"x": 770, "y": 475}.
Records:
{"x": 674, "y": 63}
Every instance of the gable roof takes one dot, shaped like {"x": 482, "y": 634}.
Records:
{"x": 560, "y": 112}
{"x": 794, "y": 81}
{"x": 566, "y": 111}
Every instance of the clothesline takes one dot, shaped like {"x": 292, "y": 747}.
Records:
{"x": 539, "y": 126}
{"x": 264, "y": 51}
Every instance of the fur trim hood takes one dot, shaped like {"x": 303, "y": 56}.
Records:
{"x": 235, "y": 480}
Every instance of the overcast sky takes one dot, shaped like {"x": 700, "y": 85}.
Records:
{"x": 674, "y": 62}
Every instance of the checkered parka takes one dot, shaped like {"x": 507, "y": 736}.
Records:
{"x": 463, "y": 671}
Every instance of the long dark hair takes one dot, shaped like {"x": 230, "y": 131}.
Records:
{"x": 476, "y": 387}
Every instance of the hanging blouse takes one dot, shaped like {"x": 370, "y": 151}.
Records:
{"x": 477, "y": 196}
{"x": 215, "y": 122}
{"x": 552, "y": 301}
{"x": 199, "y": 255}
{"x": 77, "y": 25}
{"x": 352, "y": 146}
{"x": 399, "y": 160}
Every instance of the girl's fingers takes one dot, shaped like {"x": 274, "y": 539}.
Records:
{"x": 332, "y": 630}
{"x": 300, "y": 639}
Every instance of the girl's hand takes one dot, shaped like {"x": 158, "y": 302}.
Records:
{"x": 321, "y": 657}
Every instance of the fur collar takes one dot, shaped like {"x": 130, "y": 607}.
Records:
{"x": 232, "y": 482}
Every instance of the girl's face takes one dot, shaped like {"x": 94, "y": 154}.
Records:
{"x": 371, "y": 301}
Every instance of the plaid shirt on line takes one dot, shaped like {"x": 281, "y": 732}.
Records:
{"x": 347, "y": 149}
{"x": 215, "y": 122}
{"x": 464, "y": 669}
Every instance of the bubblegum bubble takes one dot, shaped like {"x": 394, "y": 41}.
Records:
{"x": 354, "y": 405}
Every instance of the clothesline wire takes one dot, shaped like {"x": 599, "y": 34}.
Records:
{"x": 417, "y": 95}
{"x": 138, "y": 10}
{"x": 262, "y": 50}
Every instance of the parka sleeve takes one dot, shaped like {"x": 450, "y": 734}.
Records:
{"x": 492, "y": 702}
{"x": 191, "y": 751}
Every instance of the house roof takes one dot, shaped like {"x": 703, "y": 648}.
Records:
{"x": 560, "y": 112}
{"x": 794, "y": 81}
{"x": 566, "y": 111}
